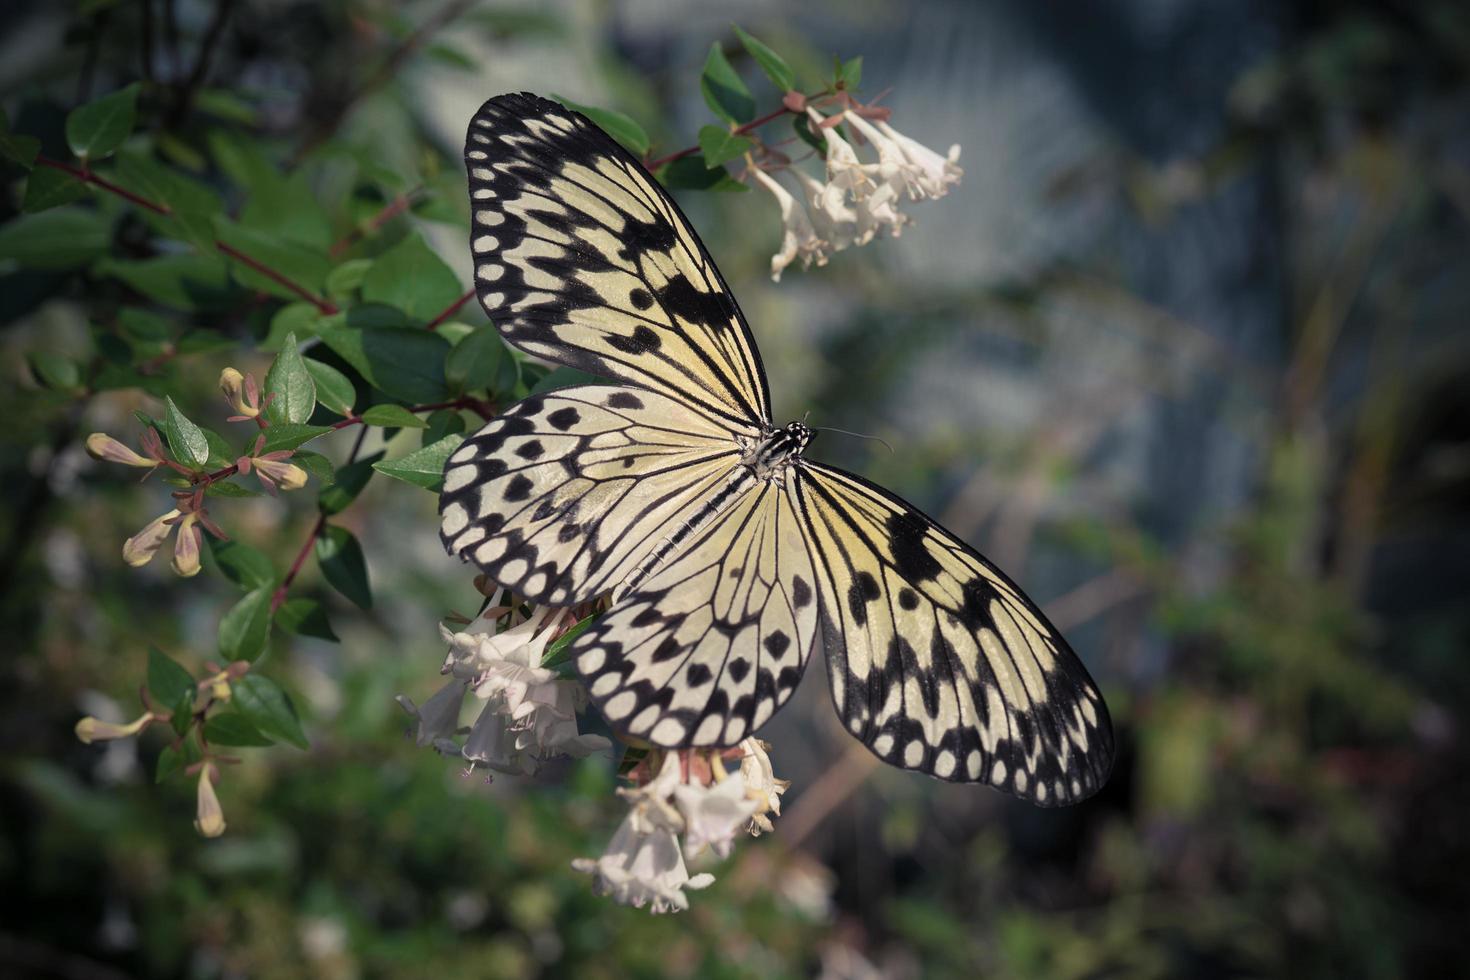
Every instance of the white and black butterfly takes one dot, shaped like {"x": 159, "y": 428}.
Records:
{"x": 724, "y": 549}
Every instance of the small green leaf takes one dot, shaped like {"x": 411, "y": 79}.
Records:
{"x": 403, "y": 363}
{"x": 291, "y": 384}
{"x": 18, "y": 149}
{"x": 302, "y": 319}
{"x": 565, "y": 377}
{"x": 305, "y": 617}
{"x": 343, "y": 565}
{"x": 316, "y": 465}
{"x": 718, "y": 145}
{"x": 224, "y": 488}
{"x": 61, "y": 238}
{"x": 723, "y": 89}
{"x": 235, "y": 729}
{"x": 97, "y": 128}
{"x": 289, "y": 435}
{"x": 445, "y": 422}
{"x": 48, "y": 187}
{"x": 411, "y": 278}
{"x": 347, "y": 278}
{"x": 220, "y": 452}
{"x": 348, "y": 484}
{"x": 247, "y": 567}
{"x": 803, "y": 126}
{"x": 690, "y": 173}
{"x": 619, "y": 126}
{"x": 475, "y": 362}
{"x": 302, "y": 264}
{"x": 54, "y": 371}
{"x": 186, "y": 441}
{"x": 393, "y": 417}
{"x": 172, "y": 759}
{"x": 267, "y": 707}
{"x": 244, "y": 630}
{"x": 775, "y": 67}
{"x": 423, "y": 467}
{"x": 334, "y": 390}
{"x": 850, "y": 74}
{"x": 183, "y": 282}
{"x": 557, "y": 652}
{"x": 170, "y": 685}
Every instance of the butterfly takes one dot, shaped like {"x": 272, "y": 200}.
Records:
{"x": 726, "y": 552}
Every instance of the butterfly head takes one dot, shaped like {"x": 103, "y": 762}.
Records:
{"x": 798, "y": 435}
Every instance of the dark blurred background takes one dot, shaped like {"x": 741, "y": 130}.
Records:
{"x": 1185, "y": 353}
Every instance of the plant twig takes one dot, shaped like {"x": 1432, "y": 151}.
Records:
{"x": 391, "y": 210}
{"x": 738, "y": 130}
{"x": 452, "y": 309}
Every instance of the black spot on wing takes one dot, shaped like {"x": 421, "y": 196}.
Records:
{"x": 564, "y": 418}
{"x": 624, "y": 399}
{"x": 906, "y": 541}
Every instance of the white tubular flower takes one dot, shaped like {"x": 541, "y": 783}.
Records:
{"x": 643, "y": 868}
{"x": 935, "y": 174}
{"x": 893, "y": 167}
{"x": 713, "y": 815}
{"x": 491, "y": 744}
{"x": 835, "y": 220}
{"x": 438, "y": 719}
{"x": 879, "y": 210}
{"x": 91, "y": 729}
{"x": 209, "y": 819}
{"x": 844, "y": 169}
{"x": 798, "y": 237}
{"x": 141, "y": 547}
{"x": 761, "y": 785}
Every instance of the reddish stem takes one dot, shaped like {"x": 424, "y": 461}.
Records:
{"x": 87, "y": 177}
{"x": 278, "y": 598}
{"x": 324, "y": 305}
{"x": 738, "y": 130}
{"x": 391, "y": 210}
{"x": 453, "y": 309}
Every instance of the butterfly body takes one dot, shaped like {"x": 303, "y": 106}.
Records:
{"x": 729, "y": 556}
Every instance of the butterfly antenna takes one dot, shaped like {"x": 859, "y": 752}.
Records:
{"x": 859, "y": 435}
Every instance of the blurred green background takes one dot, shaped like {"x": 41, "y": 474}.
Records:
{"x": 1185, "y": 353}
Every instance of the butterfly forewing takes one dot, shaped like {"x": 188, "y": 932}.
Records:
{"x": 581, "y": 258}
{"x": 713, "y": 642}
{"x": 564, "y": 495}
{"x": 936, "y": 660}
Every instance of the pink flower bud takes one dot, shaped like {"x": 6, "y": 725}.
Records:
{"x": 186, "y": 547}
{"x": 102, "y": 446}
{"x": 210, "y": 818}
{"x": 141, "y": 547}
{"x": 241, "y": 392}
{"x": 91, "y": 730}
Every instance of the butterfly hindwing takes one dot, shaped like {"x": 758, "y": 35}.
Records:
{"x": 582, "y": 259}
{"x": 937, "y": 661}
{"x": 561, "y": 497}
{"x": 708, "y": 647}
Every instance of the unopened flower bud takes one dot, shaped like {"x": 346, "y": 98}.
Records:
{"x": 241, "y": 392}
{"x": 102, "y": 446}
{"x": 210, "y": 819}
{"x": 141, "y": 547}
{"x": 91, "y": 730}
{"x": 186, "y": 547}
{"x": 278, "y": 474}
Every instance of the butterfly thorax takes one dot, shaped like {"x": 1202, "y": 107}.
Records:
{"x": 770, "y": 455}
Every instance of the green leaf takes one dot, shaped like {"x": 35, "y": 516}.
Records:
{"x": 303, "y": 319}
{"x": 334, "y": 390}
{"x": 48, "y": 187}
{"x": 97, "y": 128}
{"x": 235, "y": 729}
{"x": 54, "y": 371}
{"x": 247, "y": 567}
{"x": 723, "y": 89}
{"x": 18, "y": 149}
{"x": 445, "y": 422}
{"x": 221, "y": 454}
{"x": 423, "y": 467}
{"x": 289, "y": 435}
{"x": 476, "y": 362}
{"x": 850, "y": 74}
{"x": 245, "y": 628}
{"x": 565, "y": 377}
{"x": 172, "y": 760}
{"x": 170, "y": 685}
{"x": 411, "y": 278}
{"x": 305, "y": 617}
{"x": 292, "y": 385}
{"x": 403, "y": 363}
{"x": 304, "y": 265}
{"x": 224, "y": 488}
{"x": 775, "y": 67}
{"x": 690, "y": 173}
{"x": 186, "y": 441}
{"x": 267, "y": 707}
{"x": 226, "y": 105}
{"x": 393, "y": 417}
{"x": 718, "y": 145}
{"x": 343, "y": 565}
{"x": 286, "y": 208}
{"x": 348, "y": 484}
{"x": 803, "y": 126}
{"x": 316, "y": 465}
{"x": 619, "y": 126}
{"x": 347, "y": 278}
{"x": 183, "y": 282}
{"x": 61, "y": 238}
{"x": 557, "y": 652}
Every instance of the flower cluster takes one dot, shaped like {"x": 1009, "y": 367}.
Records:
{"x": 690, "y": 793}
{"x": 858, "y": 199}
{"x": 528, "y": 713}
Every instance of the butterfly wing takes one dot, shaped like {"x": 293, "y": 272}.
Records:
{"x": 563, "y": 496}
{"x": 582, "y": 259}
{"x": 716, "y": 639}
{"x": 937, "y": 661}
